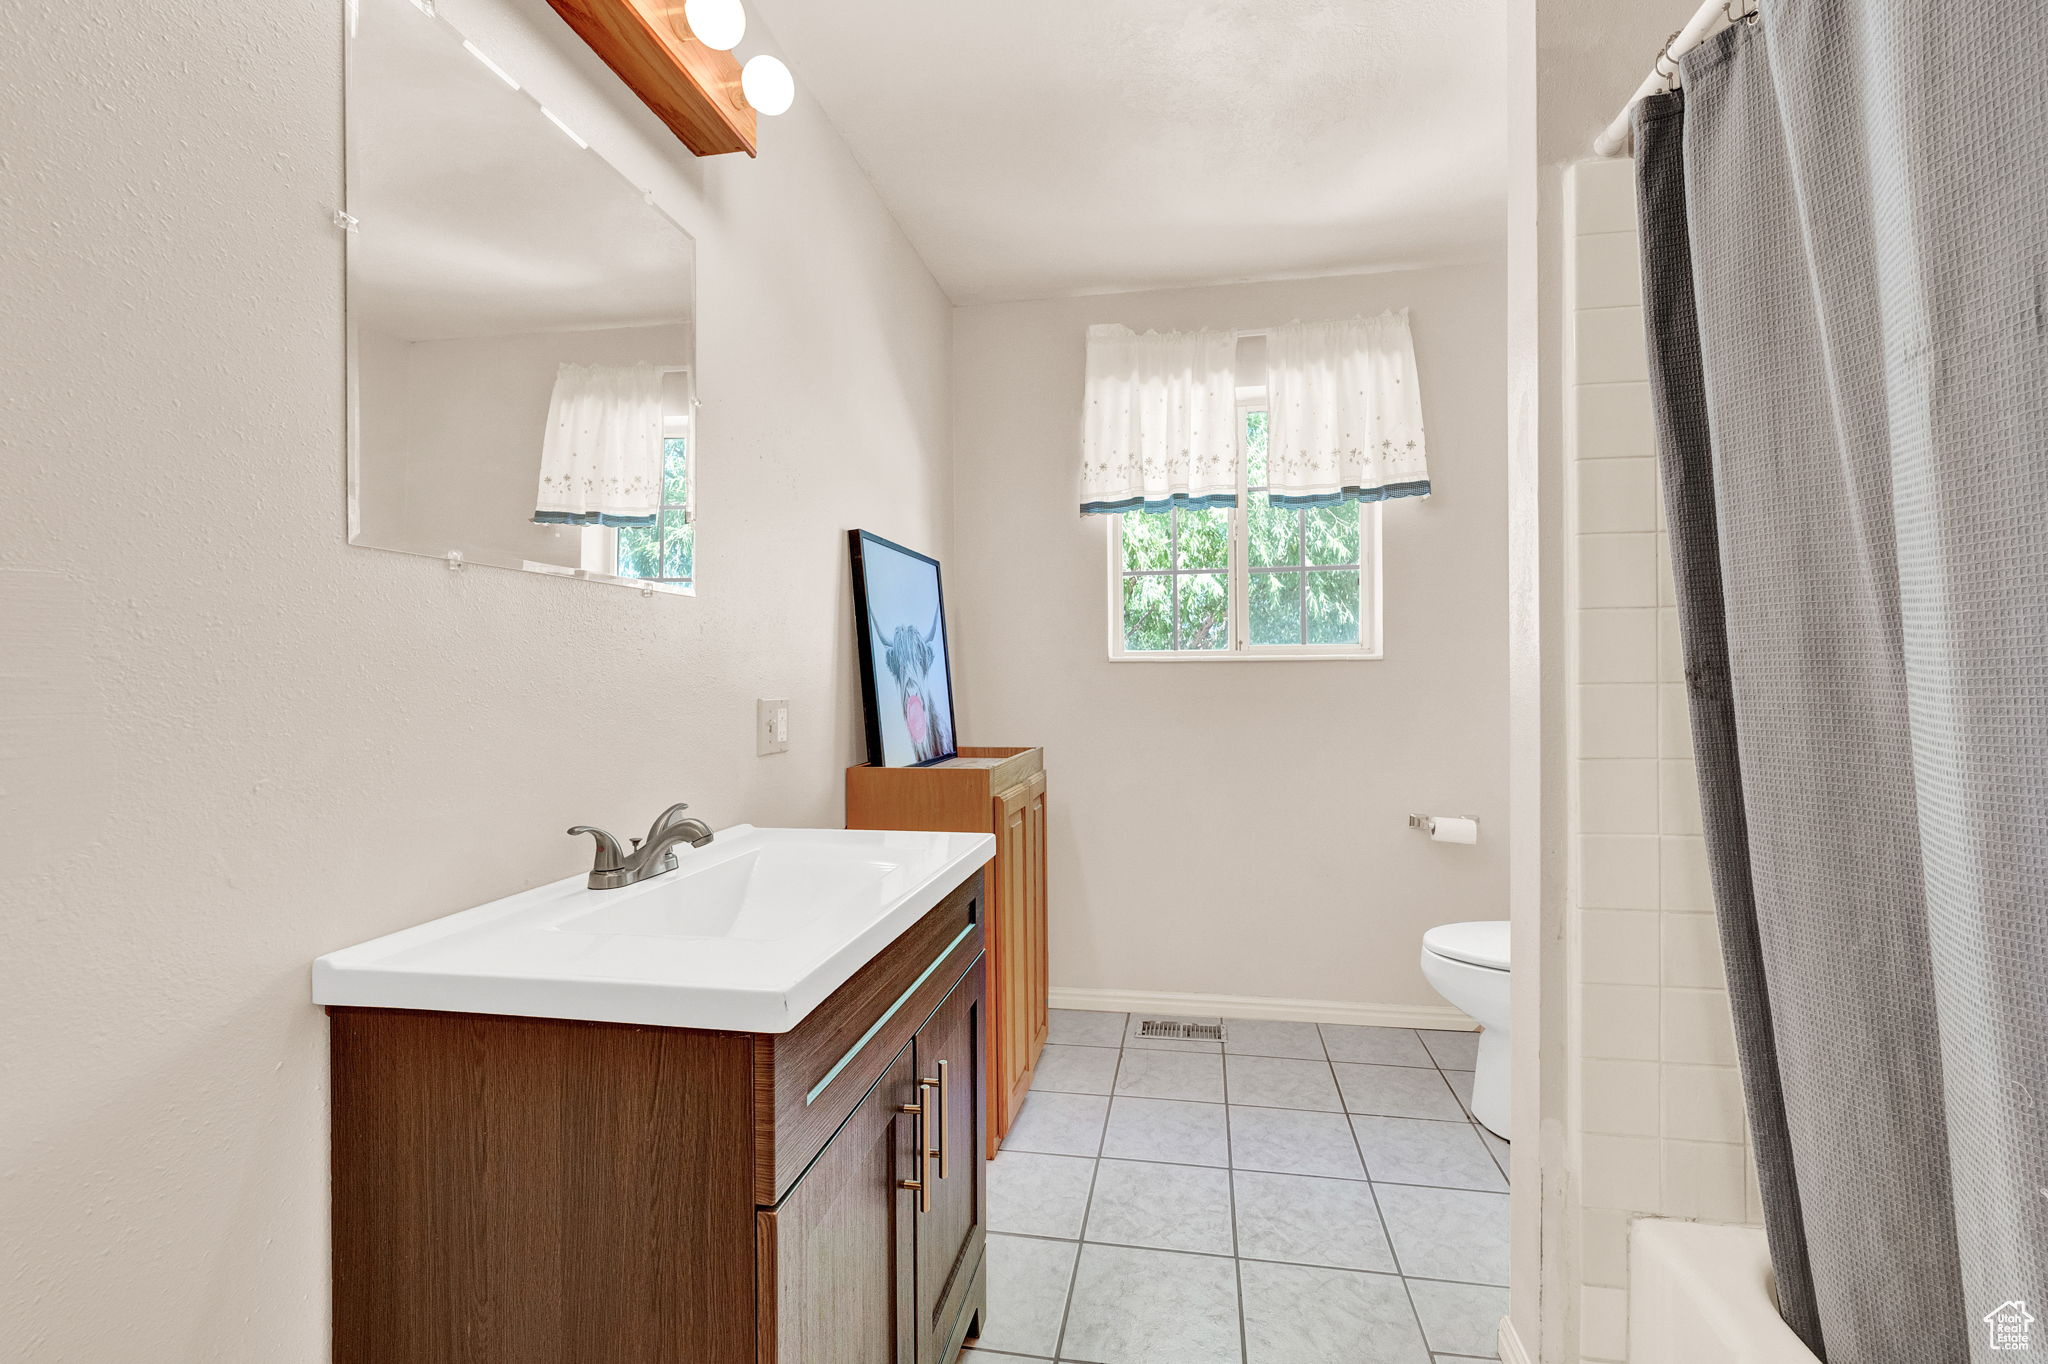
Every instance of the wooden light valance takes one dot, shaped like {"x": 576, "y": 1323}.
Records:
{"x": 694, "y": 89}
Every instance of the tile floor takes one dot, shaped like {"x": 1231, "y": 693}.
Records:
{"x": 1297, "y": 1194}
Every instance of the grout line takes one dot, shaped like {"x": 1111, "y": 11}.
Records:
{"x": 1255, "y": 1259}
{"x": 1244, "y": 1344}
{"x": 1255, "y": 1170}
{"x": 1393, "y": 1253}
{"x": 1087, "y": 1210}
{"x": 1230, "y": 1170}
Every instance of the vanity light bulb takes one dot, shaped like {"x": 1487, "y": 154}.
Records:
{"x": 718, "y": 24}
{"x": 767, "y": 84}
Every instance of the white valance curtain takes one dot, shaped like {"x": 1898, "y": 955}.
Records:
{"x": 1344, "y": 416}
{"x": 1159, "y": 420}
{"x": 600, "y": 457}
{"x": 1344, "y": 412}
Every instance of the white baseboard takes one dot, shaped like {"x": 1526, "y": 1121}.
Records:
{"x": 1511, "y": 1351}
{"x": 1438, "y": 1016}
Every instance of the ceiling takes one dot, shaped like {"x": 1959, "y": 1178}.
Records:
{"x": 1080, "y": 146}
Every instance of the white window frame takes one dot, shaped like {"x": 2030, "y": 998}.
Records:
{"x": 1371, "y": 638}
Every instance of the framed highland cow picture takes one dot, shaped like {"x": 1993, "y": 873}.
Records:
{"x": 906, "y": 677}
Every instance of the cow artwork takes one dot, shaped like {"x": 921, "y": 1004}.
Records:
{"x": 908, "y": 657}
{"x": 905, "y": 673}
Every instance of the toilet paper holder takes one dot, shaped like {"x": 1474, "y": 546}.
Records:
{"x": 1427, "y": 823}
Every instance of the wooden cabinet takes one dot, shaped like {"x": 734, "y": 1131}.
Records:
{"x": 550, "y": 1191}
{"x": 950, "y": 1230}
{"x": 999, "y": 791}
{"x": 827, "y": 1297}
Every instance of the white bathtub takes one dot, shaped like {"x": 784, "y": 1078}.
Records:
{"x": 1702, "y": 1294}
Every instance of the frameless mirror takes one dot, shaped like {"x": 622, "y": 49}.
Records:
{"x": 520, "y": 324}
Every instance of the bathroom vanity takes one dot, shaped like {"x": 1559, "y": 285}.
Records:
{"x": 653, "y": 1172}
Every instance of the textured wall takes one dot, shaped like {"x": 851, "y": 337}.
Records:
{"x": 1240, "y": 827}
{"x": 232, "y": 742}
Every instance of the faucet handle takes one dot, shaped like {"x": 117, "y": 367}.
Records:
{"x": 666, "y": 818}
{"x": 610, "y": 857}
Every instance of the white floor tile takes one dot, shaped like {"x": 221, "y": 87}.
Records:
{"x": 1310, "y": 1221}
{"x": 1167, "y": 1129}
{"x": 1447, "y": 1233}
{"x": 1398, "y": 1092}
{"x": 1152, "y": 1307}
{"x": 1027, "y": 1294}
{"x": 1251, "y": 1037}
{"x": 1273, "y": 1082}
{"x": 1163, "y": 1207}
{"x": 1297, "y": 1315}
{"x": 1058, "y": 1124}
{"x": 1449, "y": 1155}
{"x": 1083, "y": 1027}
{"x": 1170, "y": 1075}
{"x": 1039, "y": 1195}
{"x": 1290, "y": 1143}
{"x": 1065, "y": 1069}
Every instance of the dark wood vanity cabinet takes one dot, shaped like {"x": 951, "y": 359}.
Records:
{"x": 834, "y": 1299}
{"x": 547, "y": 1191}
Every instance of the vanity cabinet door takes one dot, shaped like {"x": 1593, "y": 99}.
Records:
{"x": 1017, "y": 951}
{"x": 836, "y": 1256}
{"x": 951, "y": 1234}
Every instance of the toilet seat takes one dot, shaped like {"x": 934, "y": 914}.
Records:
{"x": 1483, "y": 943}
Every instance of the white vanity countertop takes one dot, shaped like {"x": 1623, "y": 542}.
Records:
{"x": 750, "y": 934}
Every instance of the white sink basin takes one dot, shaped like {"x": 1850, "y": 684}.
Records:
{"x": 750, "y": 934}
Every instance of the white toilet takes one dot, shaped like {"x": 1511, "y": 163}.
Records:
{"x": 1468, "y": 965}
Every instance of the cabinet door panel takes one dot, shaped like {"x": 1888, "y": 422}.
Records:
{"x": 835, "y": 1255}
{"x": 1038, "y": 1015}
{"x": 1008, "y": 935}
{"x": 951, "y": 1234}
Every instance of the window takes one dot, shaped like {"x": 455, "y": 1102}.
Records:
{"x": 667, "y": 551}
{"x": 1257, "y": 581}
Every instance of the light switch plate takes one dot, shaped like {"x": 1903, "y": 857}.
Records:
{"x": 771, "y": 727}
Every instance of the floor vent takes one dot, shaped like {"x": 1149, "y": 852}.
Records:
{"x": 1185, "y": 1032}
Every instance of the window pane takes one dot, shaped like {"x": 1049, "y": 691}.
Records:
{"x": 1204, "y": 539}
{"x": 639, "y": 552}
{"x": 1332, "y": 534}
{"x": 1204, "y": 611}
{"x": 679, "y": 545}
{"x": 1276, "y": 608}
{"x": 675, "y": 488}
{"x": 1333, "y": 606}
{"x": 1275, "y": 534}
{"x": 1255, "y": 449}
{"x": 1147, "y": 543}
{"x": 1148, "y": 613}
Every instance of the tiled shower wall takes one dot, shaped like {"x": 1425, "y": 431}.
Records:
{"x": 1658, "y": 1101}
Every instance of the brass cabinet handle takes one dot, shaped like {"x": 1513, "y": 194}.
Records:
{"x": 945, "y": 1127}
{"x": 922, "y": 1185}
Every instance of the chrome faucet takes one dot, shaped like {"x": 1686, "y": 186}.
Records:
{"x": 616, "y": 867}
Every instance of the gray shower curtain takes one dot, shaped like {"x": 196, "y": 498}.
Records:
{"x": 1845, "y": 238}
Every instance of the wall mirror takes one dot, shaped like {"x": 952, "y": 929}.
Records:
{"x": 520, "y": 323}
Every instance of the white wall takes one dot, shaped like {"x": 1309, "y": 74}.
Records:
{"x": 1240, "y": 827}
{"x": 232, "y": 742}
{"x": 1660, "y": 1126}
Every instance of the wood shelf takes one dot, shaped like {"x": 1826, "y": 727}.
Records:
{"x": 693, "y": 89}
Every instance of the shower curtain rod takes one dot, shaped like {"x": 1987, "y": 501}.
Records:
{"x": 1710, "y": 19}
